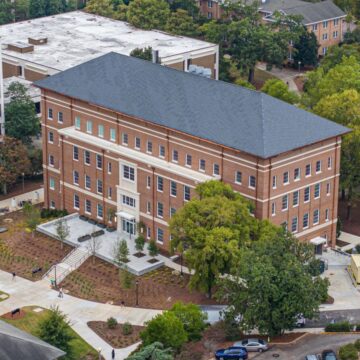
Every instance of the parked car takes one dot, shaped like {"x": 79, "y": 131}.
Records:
{"x": 232, "y": 352}
{"x": 312, "y": 357}
{"x": 328, "y": 355}
{"x": 258, "y": 345}
{"x": 300, "y": 321}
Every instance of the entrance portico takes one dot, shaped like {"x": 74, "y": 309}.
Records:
{"x": 126, "y": 223}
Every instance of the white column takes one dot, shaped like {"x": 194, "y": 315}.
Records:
{"x": 2, "y": 107}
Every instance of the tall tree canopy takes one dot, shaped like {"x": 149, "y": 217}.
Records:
{"x": 306, "y": 49}
{"x": 277, "y": 88}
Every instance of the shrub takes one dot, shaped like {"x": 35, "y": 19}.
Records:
{"x": 357, "y": 344}
{"x": 339, "y": 327}
{"x": 348, "y": 352}
{"x": 153, "y": 249}
{"x": 139, "y": 243}
{"x": 127, "y": 329}
{"x": 111, "y": 323}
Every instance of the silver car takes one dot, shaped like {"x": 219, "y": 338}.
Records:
{"x": 258, "y": 345}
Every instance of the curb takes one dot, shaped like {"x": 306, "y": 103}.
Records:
{"x": 340, "y": 333}
{"x": 290, "y": 342}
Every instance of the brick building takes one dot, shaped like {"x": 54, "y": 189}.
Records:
{"x": 323, "y": 18}
{"x": 132, "y": 136}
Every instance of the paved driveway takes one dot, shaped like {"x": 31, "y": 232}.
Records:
{"x": 310, "y": 344}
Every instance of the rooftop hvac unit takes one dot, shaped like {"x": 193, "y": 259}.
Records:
{"x": 192, "y": 69}
{"x": 207, "y": 73}
{"x": 199, "y": 70}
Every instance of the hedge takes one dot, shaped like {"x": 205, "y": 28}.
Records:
{"x": 339, "y": 327}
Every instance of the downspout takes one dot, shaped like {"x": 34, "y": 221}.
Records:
{"x": 222, "y": 164}
{"x": 256, "y": 184}
{"x": 269, "y": 188}
{"x": 104, "y": 186}
{"x": 334, "y": 187}
{"x": 62, "y": 171}
{"x": 46, "y": 155}
{"x": 153, "y": 206}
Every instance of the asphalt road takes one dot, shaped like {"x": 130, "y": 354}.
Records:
{"x": 310, "y": 344}
{"x": 326, "y": 317}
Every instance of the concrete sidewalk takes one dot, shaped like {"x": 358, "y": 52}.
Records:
{"x": 25, "y": 293}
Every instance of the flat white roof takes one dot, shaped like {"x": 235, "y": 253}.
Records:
{"x": 32, "y": 91}
{"x": 76, "y": 37}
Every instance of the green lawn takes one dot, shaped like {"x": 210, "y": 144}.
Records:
{"x": 28, "y": 323}
{"x": 261, "y": 76}
{"x": 4, "y": 293}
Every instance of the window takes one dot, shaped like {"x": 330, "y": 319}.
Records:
{"x": 99, "y": 186}
{"x": 186, "y": 193}
{"x": 101, "y": 131}
{"x": 325, "y": 24}
{"x": 324, "y": 50}
{"x": 75, "y": 153}
{"x": 160, "y": 235}
{"x": 99, "y": 211}
{"x": 109, "y": 167}
{"x": 76, "y": 202}
{"x": 316, "y": 217}
{"x": 148, "y": 182}
{"x": 161, "y": 151}
{"x": 252, "y": 181}
{"x": 297, "y": 174}
{"x": 202, "y": 164}
{"x": 99, "y": 161}
{"x": 51, "y": 160}
{"x": 306, "y": 221}
{"x": 209, "y": 15}
{"x": 160, "y": 210}
{"x": 128, "y": 172}
{"x": 308, "y": 170}
{"x": 328, "y": 189}
{"x": 87, "y": 157}
{"x": 216, "y": 169}
{"x": 296, "y": 198}
{"x": 112, "y": 134}
{"x": 175, "y": 156}
{"x": 160, "y": 183}
{"x": 149, "y": 147}
{"x": 238, "y": 177}
{"x": 137, "y": 143}
{"x": 284, "y": 225}
{"x": 317, "y": 191}
{"x": 314, "y": 27}
{"x": 173, "y": 188}
{"x": 52, "y": 204}
{"x": 148, "y": 232}
{"x": 89, "y": 126}
{"x": 87, "y": 182}
{"x": 325, "y": 36}
{"x": 50, "y": 114}
{"x": 76, "y": 177}
{"x": 318, "y": 166}
{"x": 51, "y": 137}
{"x": 335, "y": 34}
{"x": 88, "y": 206}
{"x": 52, "y": 183}
{"x": 326, "y": 214}
{"x": 172, "y": 212}
{"x": 286, "y": 178}
{"x": 109, "y": 192}
{"x": 329, "y": 162}
{"x": 307, "y": 194}
{"x": 60, "y": 117}
{"x": 188, "y": 160}
{"x": 210, "y": 4}
{"x": 128, "y": 201}
{"x": 77, "y": 123}
{"x": 148, "y": 207}
{"x": 273, "y": 209}
{"x": 284, "y": 202}
{"x": 336, "y": 22}
{"x": 274, "y": 182}
{"x": 294, "y": 224}
{"x": 125, "y": 139}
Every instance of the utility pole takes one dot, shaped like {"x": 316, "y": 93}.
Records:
{"x": 2, "y": 106}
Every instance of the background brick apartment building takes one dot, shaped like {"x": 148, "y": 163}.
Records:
{"x": 324, "y": 18}
{"x": 126, "y": 134}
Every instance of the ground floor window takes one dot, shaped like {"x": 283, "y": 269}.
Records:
{"x": 99, "y": 211}
{"x": 160, "y": 235}
{"x": 129, "y": 226}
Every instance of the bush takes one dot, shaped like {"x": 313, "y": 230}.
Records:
{"x": 348, "y": 352}
{"x": 127, "y": 329}
{"x": 139, "y": 243}
{"x": 111, "y": 323}
{"x": 339, "y": 327}
{"x": 51, "y": 213}
{"x": 153, "y": 249}
{"x": 357, "y": 344}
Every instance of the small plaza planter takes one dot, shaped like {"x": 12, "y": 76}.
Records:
{"x": 102, "y": 226}
{"x": 83, "y": 217}
{"x": 93, "y": 222}
{"x": 153, "y": 261}
{"x": 98, "y": 233}
{"x": 110, "y": 229}
{"x": 139, "y": 254}
{"x": 84, "y": 238}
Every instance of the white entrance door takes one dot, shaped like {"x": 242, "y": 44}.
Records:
{"x": 129, "y": 226}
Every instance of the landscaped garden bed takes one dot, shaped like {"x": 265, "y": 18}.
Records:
{"x": 84, "y": 238}
{"x": 116, "y": 337}
{"x": 159, "y": 289}
{"x": 139, "y": 254}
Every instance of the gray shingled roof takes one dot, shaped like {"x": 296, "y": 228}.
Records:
{"x": 16, "y": 344}
{"x": 226, "y": 114}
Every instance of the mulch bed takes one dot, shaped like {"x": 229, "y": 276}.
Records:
{"x": 139, "y": 254}
{"x": 341, "y": 243}
{"x": 115, "y": 337}
{"x": 20, "y": 252}
{"x": 18, "y": 315}
{"x": 159, "y": 289}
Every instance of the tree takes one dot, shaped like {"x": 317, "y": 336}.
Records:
{"x": 166, "y": 328}
{"x": 153, "y": 351}
{"x": 148, "y": 14}
{"x": 211, "y": 228}
{"x": 192, "y": 318}
{"x": 352, "y": 37}
{"x": 145, "y": 53}
{"x": 245, "y": 83}
{"x": 93, "y": 245}
{"x": 180, "y": 23}
{"x": 278, "y": 89}
{"x": 54, "y": 329}
{"x": 189, "y": 6}
{"x": 36, "y": 160}
{"x": 123, "y": 252}
{"x": 6, "y": 12}
{"x": 62, "y": 231}
{"x": 14, "y": 162}
{"x": 32, "y": 217}
{"x": 140, "y": 243}
{"x": 267, "y": 282}
{"x": 306, "y": 49}
{"x": 21, "y": 10}
{"x": 20, "y": 115}
{"x": 100, "y": 7}
{"x": 152, "y": 248}
{"x": 52, "y": 7}
{"x": 36, "y": 8}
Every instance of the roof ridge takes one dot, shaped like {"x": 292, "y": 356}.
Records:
{"x": 262, "y": 120}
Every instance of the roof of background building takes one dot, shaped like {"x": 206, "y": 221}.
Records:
{"x": 32, "y": 91}
{"x": 17, "y": 344}
{"x": 311, "y": 12}
{"x": 76, "y": 37}
{"x": 226, "y": 114}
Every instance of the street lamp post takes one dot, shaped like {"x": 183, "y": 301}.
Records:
{"x": 181, "y": 264}
{"x": 299, "y": 63}
{"x": 99, "y": 351}
{"x": 23, "y": 182}
{"x": 55, "y": 280}
{"x": 137, "y": 292}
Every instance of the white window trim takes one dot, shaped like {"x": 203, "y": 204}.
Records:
{"x": 307, "y": 226}
{"x": 103, "y": 131}
{"x": 97, "y": 212}
{"x": 200, "y": 169}
{"x": 298, "y": 178}
{"x": 60, "y": 121}
{"x": 75, "y": 183}
{"x": 85, "y": 186}
{"x": 51, "y": 187}
{"x": 112, "y": 139}
{"x": 157, "y": 210}
{"x": 50, "y": 141}
{"x": 327, "y": 218}
{"x": 122, "y": 139}
{"x": 298, "y": 192}
{"x": 274, "y": 186}
{"x": 251, "y": 187}
{"x": 76, "y": 208}
{"x": 273, "y": 209}
{"x": 122, "y": 173}
{"x": 318, "y": 221}
{"x": 214, "y": 170}
{"x": 97, "y": 187}
{"x": 309, "y": 174}
{"x": 287, "y": 203}
{"x": 288, "y": 181}
{"x": 147, "y": 183}
{"x": 319, "y": 171}
{"x": 186, "y": 162}
{"x": 50, "y": 164}
{"x": 147, "y": 147}
{"x": 137, "y": 147}
{"x": 161, "y": 156}
{"x": 86, "y": 212}
{"x": 305, "y": 202}
{"x": 174, "y": 196}
{"x": 96, "y": 159}
{"x": 157, "y": 184}
{"x": 297, "y": 225}
{"x": 317, "y": 197}
{"x": 237, "y": 182}
{"x": 87, "y": 128}
{"x": 52, "y": 113}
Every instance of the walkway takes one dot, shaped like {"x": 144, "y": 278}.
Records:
{"x": 351, "y": 239}
{"x": 25, "y": 293}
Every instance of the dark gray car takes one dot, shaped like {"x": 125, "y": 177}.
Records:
{"x": 258, "y": 345}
